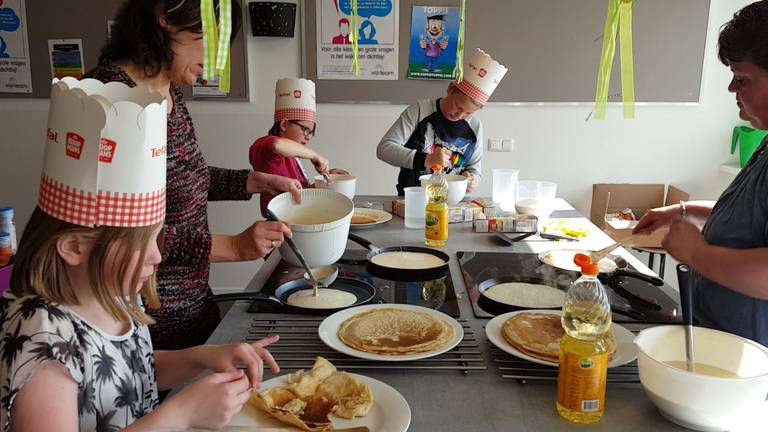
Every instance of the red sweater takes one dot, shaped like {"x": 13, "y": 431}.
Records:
{"x": 264, "y": 159}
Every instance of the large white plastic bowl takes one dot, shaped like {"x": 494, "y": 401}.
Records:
{"x": 535, "y": 198}
{"x": 457, "y": 186}
{"x": 702, "y": 402}
{"x": 320, "y": 225}
{"x": 342, "y": 183}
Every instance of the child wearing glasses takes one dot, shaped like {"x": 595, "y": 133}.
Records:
{"x": 295, "y": 124}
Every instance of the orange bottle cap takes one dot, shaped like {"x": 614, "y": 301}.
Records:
{"x": 437, "y": 167}
{"x": 587, "y": 266}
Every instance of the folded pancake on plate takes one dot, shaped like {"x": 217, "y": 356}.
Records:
{"x": 358, "y": 219}
{"x": 538, "y": 335}
{"x": 311, "y": 396}
{"x": 393, "y": 331}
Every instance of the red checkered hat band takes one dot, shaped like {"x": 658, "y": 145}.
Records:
{"x": 295, "y": 114}
{"x": 473, "y": 91}
{"x": 101, "y": 209}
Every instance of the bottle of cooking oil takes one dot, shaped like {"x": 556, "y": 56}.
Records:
{"x": 436, "y": 224}
{"x": 583, "y": 369}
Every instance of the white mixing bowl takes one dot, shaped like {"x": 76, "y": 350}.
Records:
{"x": 341, "y": 183}
{"x": 320, "y": 225}
{"x": 457, "y": 186}
{"x": 703, "y": 402}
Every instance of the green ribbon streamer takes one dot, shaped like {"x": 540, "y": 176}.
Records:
{"x": 619, "y": 16}
{"x": 459, "y": 70}
{"x": 216, "y": 41}
{"x": 354, "y": 17}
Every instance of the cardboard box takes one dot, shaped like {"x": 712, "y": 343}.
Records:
{"x": 462, "y": 212}
{"x": 517, "y": 223}
{"x": 612, "y": 198}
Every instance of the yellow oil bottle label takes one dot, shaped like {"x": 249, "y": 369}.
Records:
{"x": 436, "y": 224}
{"x": 581, "y": 382}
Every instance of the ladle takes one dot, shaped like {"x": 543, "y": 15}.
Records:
{"x": 686, "y": 303}
{"x": 324, "y": 275}
{"x": 272, "y": 217}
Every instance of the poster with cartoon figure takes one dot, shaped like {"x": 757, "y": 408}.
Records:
{"x": 15, "y": 76}
{"x": 376, "y": 35}
{"x": 434, "y": 34}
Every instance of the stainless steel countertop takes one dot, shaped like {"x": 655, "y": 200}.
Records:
{"x": 478, "y": 401}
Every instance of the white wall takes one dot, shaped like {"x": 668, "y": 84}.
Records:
{"x": 683, "y": 145}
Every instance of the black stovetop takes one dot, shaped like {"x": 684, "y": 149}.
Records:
{"x": 437, "y": 294}
{"x": 477, "y": 267}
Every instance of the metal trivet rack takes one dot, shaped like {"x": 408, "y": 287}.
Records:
{"x": 299, "y": 344}
{"x": 521, "y": 370}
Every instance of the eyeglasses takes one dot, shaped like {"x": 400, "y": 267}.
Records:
{"x": 307, "y": 131}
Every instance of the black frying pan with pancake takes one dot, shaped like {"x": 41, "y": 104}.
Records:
{"x": 402, "y": 274}
{"x": 364, "y": 292}
{"x": 496, "y": 307}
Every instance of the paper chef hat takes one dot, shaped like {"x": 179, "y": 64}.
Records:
{"x": 295, "y": 100}
{"x": 104, "y": 154}
{"x": 481, "y": 76}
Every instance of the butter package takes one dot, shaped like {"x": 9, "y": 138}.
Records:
{"x": 516, "y": 223}
{"x": 457, "y": 213}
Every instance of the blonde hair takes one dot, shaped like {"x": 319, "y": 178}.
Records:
{"x": 40, "y": 270}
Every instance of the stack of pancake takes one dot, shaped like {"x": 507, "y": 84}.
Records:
{"x": 359, "y": 219}
{"x": 538, "y": 335}
{"x": 392, "y": 331}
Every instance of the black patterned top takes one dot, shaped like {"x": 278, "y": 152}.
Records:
{"x": 185, "y": 318}
{"x": 115, "y": 375}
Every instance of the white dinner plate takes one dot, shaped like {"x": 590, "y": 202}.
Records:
{"x": 626, "y": 351}
{"x": 390, "y": 411}
{"x": 383, "y": 217}
{"x": 329, "y": 332}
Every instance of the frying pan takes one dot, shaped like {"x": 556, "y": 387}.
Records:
{"x": 364, "y": 292}
{"x": 402, "y": 274}
{"x": 496, "y": 307}
{"x": 612, "y": 268}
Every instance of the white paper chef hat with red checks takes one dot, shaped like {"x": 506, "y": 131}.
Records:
{"x": 104, "y": 154}
{"x": 481, "y": 76}
{"x": 295, "y": 100}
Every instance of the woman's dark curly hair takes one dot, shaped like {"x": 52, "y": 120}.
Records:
{"x": 138, "y": 37}
{"x": 745, "y": 37}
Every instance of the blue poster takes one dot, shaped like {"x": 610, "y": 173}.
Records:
{"x": 434, "y": 35}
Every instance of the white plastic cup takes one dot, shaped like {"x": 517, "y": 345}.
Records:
{"x": 415, "y": 207}
{"x": 505, "y": 188}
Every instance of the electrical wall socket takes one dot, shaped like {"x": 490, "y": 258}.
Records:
{"x": 507, "y": 144}
{"x": 494, "y": 144}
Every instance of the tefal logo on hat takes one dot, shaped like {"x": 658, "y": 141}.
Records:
{"x": 297, "y": 94}
{"x": 481, "y": 73}
{"x": 52, "y": 136}
{"x": 106, "y": 150}
{"x": 75, "y": 145}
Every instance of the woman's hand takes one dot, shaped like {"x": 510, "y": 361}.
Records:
{"x": 224, "y": 358}
{"x": 683, "y": 241}
{"x": 657, "y": 218}
{"x": 259, "y": 239}
{"x": 210, "y": 402}
{"x": 320, "y": 163}
{"x": 338, "y": 171}
{"x": 471, "y": 181}
{"x": 273, "y": 184}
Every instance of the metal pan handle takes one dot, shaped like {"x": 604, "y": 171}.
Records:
{"x": 253, "y": 296}
{"x": 642, "y": 276}
{"x": 362, "y": 242}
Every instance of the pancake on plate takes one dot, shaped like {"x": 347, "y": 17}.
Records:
{"x": 359, "y": 219}
{"x": 392, "y": 331}
{"x": 311, "y": 396}
{"x": 538, "y": 335}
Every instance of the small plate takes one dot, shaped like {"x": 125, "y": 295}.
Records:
{"x": 381, "y": 215}
{"x": 626, "y": 351}
{"x": 329, "y": 332}
{"x": 390, "y": 411}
